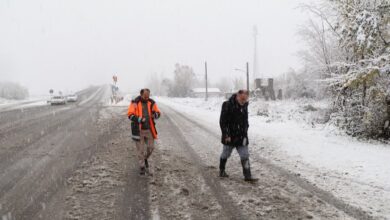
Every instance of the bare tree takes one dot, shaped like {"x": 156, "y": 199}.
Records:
{"x": 322, "y": 51}
{"x": 154, "y": 83}
{"x": 184, "y": 79}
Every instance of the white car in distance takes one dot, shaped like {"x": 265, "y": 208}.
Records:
{"x": 58, "y": 100}
{"x": 72, "y": 98}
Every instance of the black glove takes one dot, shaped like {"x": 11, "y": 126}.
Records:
{"x": 156, "y": 115}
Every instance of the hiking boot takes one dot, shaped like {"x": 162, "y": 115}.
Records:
{"x": 146, "y": 164}
{"x": 142, "y": 171}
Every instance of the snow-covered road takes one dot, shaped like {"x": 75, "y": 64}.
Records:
{"x": 79, "y": 162}
{"x": 186, "y": 185}
{"x": 353, "y": 171}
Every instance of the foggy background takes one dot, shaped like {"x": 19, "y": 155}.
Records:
{"x": 68, "y": 45}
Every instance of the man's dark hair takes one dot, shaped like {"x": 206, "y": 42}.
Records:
{"x": 243, "y": 91}
{"x": 144, "y": 90}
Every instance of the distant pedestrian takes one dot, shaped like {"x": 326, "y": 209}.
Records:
{"x": 234, "y": 126}
{"x": 143, "y": 112}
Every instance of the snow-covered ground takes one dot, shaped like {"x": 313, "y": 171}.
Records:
{"x": 290, "y": 134}
{"x": 25, "y": 103}
{"x": 124, "y": 103}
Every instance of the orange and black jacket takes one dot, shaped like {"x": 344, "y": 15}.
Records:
{"x": 135, "y": 115}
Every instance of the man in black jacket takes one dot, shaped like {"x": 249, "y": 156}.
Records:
{"x": 234, "y": 126}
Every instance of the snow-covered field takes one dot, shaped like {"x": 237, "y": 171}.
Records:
{"x": 291, "y": 135}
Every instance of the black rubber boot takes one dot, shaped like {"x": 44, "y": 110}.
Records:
{"x": 222, "y": 164}
{"x": 246, "y": 169}
{"x": 142, "y": 171}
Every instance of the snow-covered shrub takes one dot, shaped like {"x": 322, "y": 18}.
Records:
{"x": 361, "y": 105}
{"x": 362, "y": 27}
{"x": 309, "y": 108}
{"x": 9, "y": 90}
{"x": 361, "y": 98}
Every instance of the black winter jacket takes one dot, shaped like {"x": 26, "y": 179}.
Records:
{"x": 234, "y": 122}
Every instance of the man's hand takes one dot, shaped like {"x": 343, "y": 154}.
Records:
{"x": 141, "y": 120}
{"x": 228, "y": 139}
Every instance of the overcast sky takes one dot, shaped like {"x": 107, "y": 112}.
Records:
{"x": 71, "y": 44}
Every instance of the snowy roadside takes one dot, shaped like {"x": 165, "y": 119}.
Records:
{"x": 355, "y": 171}
{"x": 26, "y": 103}
{"x": 124, "y": 103}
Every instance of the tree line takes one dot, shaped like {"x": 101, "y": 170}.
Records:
{"x": 10, "y": 90}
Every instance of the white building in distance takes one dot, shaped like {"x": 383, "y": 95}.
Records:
{"x": 201, "y": 92}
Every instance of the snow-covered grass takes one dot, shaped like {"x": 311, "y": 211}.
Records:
{"x": 291, "y": 133}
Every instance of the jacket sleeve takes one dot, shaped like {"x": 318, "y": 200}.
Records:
{"x": 246, "y": 120}
{"x": 131, "y": 112}
{"x": 224, "y": 120}
{"x": 156, "y": 109}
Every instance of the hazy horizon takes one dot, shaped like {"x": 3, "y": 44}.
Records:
{"x": 68, "y": 45}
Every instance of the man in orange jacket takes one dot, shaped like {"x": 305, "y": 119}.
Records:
{"x": 143, "y": 112}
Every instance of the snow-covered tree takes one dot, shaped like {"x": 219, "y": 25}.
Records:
{"x": 362, "y": 26}
{"x": 362, "y": 89}
{"x": 360, "y": 78}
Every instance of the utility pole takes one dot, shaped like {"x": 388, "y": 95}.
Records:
{"x": 207, "y": 92}
{"x": 247, "y": 76}
{"x": 255, "y": 67}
